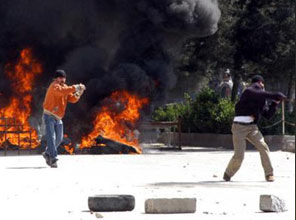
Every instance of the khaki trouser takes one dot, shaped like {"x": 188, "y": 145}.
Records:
{"x": 241, "y": 133}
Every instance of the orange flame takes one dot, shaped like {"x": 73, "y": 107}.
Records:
{"x": 16, "y": 128}
{"x": 68, "y": 147}
{"x": 116, "y": 120}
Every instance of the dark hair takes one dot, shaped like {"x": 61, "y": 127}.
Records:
{"x": 257, "y": 78}
{"x": 60, "y": 73}
{"x": 226, "y": 75}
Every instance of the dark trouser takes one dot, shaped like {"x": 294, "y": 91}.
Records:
{"x": 241, "y": 133}
{"x": 54, "y": 134}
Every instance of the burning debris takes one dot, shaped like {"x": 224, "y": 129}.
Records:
{"x": 111, "y": 46}
{"x": 116, "y": 121}
{"x": 107, "y": 146}
{"x": 67, "y": 145}
{"x": 14, "y": 118}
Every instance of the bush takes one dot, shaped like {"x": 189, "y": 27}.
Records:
{"x": 170, "y": 112}
{"x": 208, "y": 113}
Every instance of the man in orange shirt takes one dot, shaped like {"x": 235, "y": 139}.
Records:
{"x": 57, "y": 96}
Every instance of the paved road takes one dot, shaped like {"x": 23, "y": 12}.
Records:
{"x": 30, "y": 190}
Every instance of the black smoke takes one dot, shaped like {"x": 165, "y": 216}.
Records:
{"x": 106, "y": 44}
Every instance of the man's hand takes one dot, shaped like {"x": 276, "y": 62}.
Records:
{"x": 81, "y": 87}
{"x": 280, "y": 97}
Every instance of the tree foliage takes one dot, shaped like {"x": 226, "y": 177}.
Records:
{"x": 253, "y": 37}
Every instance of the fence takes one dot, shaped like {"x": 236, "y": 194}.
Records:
{"x": 8, "y": 127}
{"x": 283, "y": 121}
{"x": 165, "y": 124}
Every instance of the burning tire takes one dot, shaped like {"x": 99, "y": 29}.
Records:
{"x": 111, "y": 203}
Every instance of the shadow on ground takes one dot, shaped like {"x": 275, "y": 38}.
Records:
{"x": 25, "y": 168}
{"x": 184, "y": 150}
{"x": 214, "y": 184}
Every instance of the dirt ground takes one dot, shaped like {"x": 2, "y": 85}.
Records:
{"x": 29, "y": 190}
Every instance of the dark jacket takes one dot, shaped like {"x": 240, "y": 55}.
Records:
{"x": 253, "y": 102}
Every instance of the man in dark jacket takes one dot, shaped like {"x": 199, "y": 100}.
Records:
{"x": 251, "y": 106}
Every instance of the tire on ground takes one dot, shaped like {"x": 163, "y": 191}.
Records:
{"x": 111, "y": 203}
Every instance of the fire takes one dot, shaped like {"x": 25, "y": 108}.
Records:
{"x": 15, "y": 116}
{"x": 68, "y": 146}
{"x": 117, "y": 119}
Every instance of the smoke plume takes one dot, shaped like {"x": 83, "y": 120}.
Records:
{"x": 106, "y": 44}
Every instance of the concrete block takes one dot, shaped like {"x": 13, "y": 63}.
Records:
{"x": 111, "y": 203}
{"x": 289, "y": 146}
{"x": 170, "y": 205}
{"x": 270, "y": 203}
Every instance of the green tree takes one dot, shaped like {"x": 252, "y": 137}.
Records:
{"x": 253, "y": 37}
{"x": 265, "y": 39}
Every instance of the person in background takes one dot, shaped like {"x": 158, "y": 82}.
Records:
{"x": 250, "y": 107}
{"x": 225, "y": 87}
{"x": 57, "y": 96}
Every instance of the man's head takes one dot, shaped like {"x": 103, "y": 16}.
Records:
{"x": 60, "y": 76}
{"x": 258, "y": 79}
{"x": 226, "y": 75}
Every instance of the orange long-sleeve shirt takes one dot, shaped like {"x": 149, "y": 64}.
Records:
{"x": 57, "y": 97}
